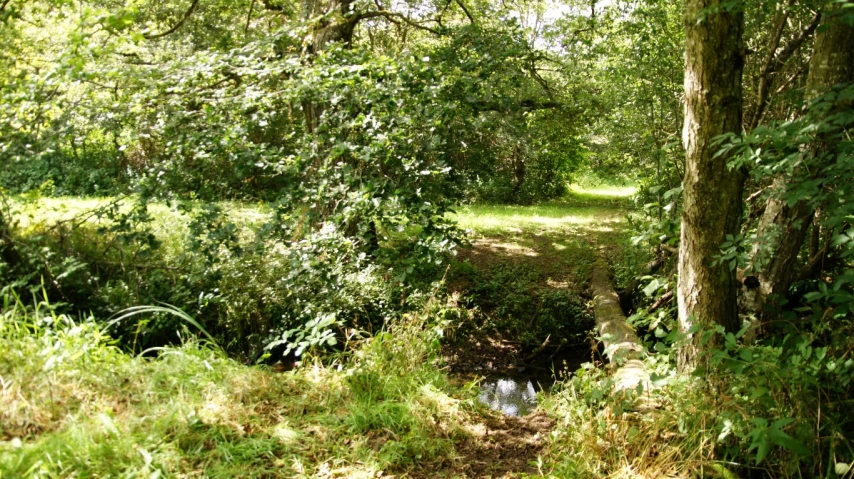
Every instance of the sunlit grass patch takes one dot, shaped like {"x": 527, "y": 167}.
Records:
{"x": 603, "y": 191}
{"x": 598, "y": 208}
{"x": 518, "y": 219}
{"x": 50, "y": 210}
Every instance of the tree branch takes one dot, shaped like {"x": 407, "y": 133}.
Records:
{"x": 796, "y": 43}
{"x": 774, "y": 63}
{"x": 178, "y": 25}
{"x": 764, "y": 73}
{"x": 393, "y": 17}
{"x": 466, "y": 10}
{"x": 665, "y": 299}
{"x": 248, "y": 17}
{"x": 791, "y": 79}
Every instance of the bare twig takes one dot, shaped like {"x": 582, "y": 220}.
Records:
{"x": 788, "y": 82}
{"x": 248, "y": 17}
{"x": 665, "y": 299}
{"x": 537, "y": 351}
{"x": 765, "y": 72}
{"x": 774, "y": 65}
{"x": 753, "y": 196}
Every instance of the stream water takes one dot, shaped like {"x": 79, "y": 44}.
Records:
{"x": 512, "y": 396}
{"x": 515, "y": 393}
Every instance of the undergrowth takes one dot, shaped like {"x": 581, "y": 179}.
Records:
{"x": 74, "y": 404}
{"x": 776, "y": 406}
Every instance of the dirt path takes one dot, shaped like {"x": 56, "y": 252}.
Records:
{"x": 499, "y": 447}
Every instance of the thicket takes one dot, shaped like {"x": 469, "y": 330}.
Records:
{"x": 290, "y": 190}
{"x": 355, "y": 152}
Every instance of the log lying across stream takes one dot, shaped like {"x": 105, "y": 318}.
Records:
{"x": 622, "y": 346}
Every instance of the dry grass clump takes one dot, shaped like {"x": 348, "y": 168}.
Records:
{"x": 661, "y": 433}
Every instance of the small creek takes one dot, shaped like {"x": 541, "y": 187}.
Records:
{"x": 512, "y": 396}
{"x": 515, "y": 393}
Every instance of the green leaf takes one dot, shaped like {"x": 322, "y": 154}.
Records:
{"x": 780, "y": 438}
{"x": 762, "y": 449}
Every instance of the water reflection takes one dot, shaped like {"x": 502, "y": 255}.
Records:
{"x": 514, "y": 397}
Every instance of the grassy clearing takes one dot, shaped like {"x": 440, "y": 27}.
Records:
{"x": 73, "y": 404}
{"x": 526, "y": 272}
{"x": 583, "y": 210}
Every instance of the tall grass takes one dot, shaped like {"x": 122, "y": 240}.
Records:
{"x": 73, "y": 404}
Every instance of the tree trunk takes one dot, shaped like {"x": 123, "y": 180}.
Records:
{"x": 518, "y": 172}
{"x": 782, "y": 228}
{"x": 8, "y": 253}
{"x": 328, "y": 21}
{"x": 712, "y": 192}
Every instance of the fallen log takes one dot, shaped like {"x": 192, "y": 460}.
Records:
{"x": 622, "y": 345}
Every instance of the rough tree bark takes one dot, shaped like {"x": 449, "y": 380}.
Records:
{"x": 712, "y": 205}
{"x": 782, "y": 228}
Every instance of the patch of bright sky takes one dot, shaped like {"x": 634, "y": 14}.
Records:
{"x": 538, "y": 17}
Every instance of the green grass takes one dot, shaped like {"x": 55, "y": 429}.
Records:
{"x": 552, "y": 218}
{"x": 72, "y": 404}
{"x": 527, "y": 269}
{"x": 168, "y": 220}
{"x": 606, "y": 192}
{"x": 582, "y": 211}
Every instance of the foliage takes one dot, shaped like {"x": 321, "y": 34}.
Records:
{"x": 813, "y": 153}
{"x": 751, "y": 409}
{"x": 513, "y": 306}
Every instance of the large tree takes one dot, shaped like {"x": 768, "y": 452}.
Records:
{"x": 712, "y": 207}
{"x": 783, "y": 226}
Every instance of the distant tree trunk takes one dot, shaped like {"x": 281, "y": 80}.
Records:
{"x": 815, "y": 234}
{"x": 712, "y": 192}
{"x": 8, "y": 253}
{"x": 518, "y": 171}
{"x": 783, "y": 228}
{"x": 329, "y": 21}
